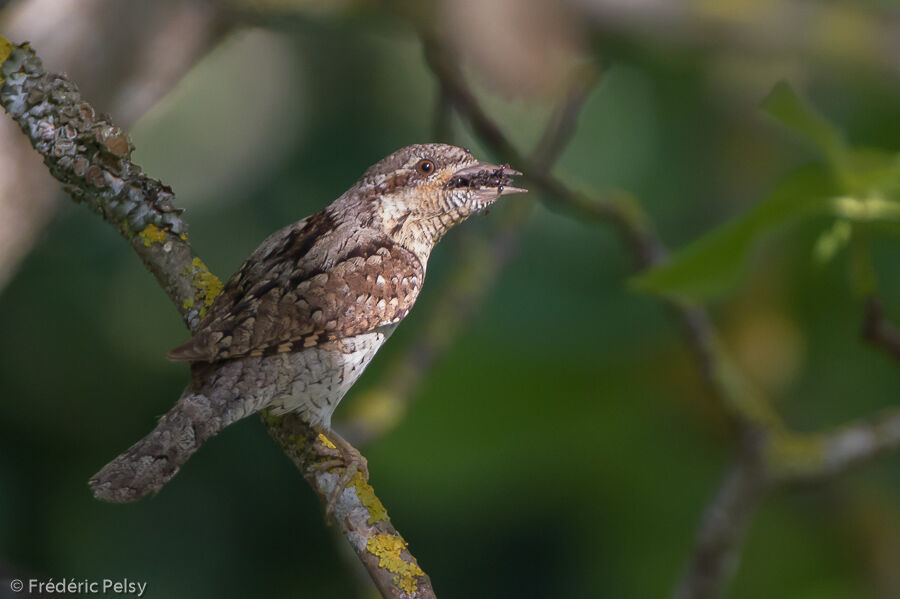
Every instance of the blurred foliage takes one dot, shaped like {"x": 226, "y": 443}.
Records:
{"x": 565, "y": 447}
{"x": 857, "y": 185}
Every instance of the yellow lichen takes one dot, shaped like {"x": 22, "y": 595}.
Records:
{"x": 152, "y": 234}
{"x": 326, "y": 442}
{"x": 188, "y": 303}
{"x": 5, "y": 50}
{"x": 269, "y": 418}
{"x": 367, "y": 497}
{"x": 207, "y": 284}
{"x": 389, "y": 551}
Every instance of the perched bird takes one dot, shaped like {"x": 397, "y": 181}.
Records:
{"x": 301, "y": 319}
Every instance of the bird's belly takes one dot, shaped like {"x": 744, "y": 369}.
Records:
{"x": 323, "y": 375}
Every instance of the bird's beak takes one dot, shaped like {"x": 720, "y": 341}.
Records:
{"x": 486, "y": 177}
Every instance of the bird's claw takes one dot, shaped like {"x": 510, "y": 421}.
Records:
{"x": 350, "y": 461}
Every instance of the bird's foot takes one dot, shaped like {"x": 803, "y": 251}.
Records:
{"x": 349, "y": 460}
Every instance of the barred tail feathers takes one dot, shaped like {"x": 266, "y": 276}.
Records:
{"x": 151, "y": 462}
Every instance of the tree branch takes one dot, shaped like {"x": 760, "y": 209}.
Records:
{"x": 91, "y": 157}
{"x": 129, "y": 83}
{"x": 768, "y": 462}
{"x": 878, "y": 330}
{"x": 813, "y": 457}
{"x": 562, "y": 125}
{"x": 721, "y": 532}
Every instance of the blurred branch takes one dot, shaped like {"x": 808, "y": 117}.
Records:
{"x": 878, "y": 330}
{"x": 91, "y": 157}
{"x": 465, "y": 290}
{"x": 454, "y": 88}
{"x": 771, "y": 460}
{"x": 798, "y": 458}
{"x": 617, "y": 209}
{"x": 772, "y": 454}
{"x": 562, "y": 126}
{"x": 721, "y": 532}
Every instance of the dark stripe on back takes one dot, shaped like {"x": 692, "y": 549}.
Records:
{"x": 300, "y": 242}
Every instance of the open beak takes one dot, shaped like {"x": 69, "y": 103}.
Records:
{"x": 487, "y": 179}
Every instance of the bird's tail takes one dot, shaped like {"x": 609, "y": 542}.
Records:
{"x": 154, "y": 460}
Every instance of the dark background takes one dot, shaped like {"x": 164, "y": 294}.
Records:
{"x": 565, "y": 446}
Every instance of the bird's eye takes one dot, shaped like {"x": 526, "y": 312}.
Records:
{"x": 425, "y": 166}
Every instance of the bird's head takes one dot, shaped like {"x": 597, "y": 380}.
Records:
{"x": 420, "y": 192}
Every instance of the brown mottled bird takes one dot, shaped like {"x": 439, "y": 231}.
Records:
{"x": 298, "y": 323}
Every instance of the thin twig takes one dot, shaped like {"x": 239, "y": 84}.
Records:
{"x": 721, "y": 532}
{"x": 563, "y": 124}
{"x": 91, "y": 157}
{"x": 878, "y": 330}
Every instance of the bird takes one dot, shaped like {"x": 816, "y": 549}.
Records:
{"x": 304, "y": 315}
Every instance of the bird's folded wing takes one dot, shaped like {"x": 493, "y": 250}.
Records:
{"x": 283, "y": 307}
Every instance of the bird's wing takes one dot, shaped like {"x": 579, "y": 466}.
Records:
{"x": 282, "y": 301}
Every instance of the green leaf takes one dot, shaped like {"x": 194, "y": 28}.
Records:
{"x": 786, "y": 107}
{"x": 860, "y": 186}
{"x": 713, "y": 264}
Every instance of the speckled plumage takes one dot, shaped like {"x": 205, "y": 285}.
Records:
{"x": 296, "y": 303}
{"x": 301, "y": 319}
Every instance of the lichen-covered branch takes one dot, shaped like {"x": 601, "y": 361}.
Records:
{"x": 361, "y": 515}
{"x": 91, "y": 157}
{"x": 126, "y": 82}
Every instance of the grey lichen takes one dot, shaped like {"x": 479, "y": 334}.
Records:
{"x": 87, "y": 153}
